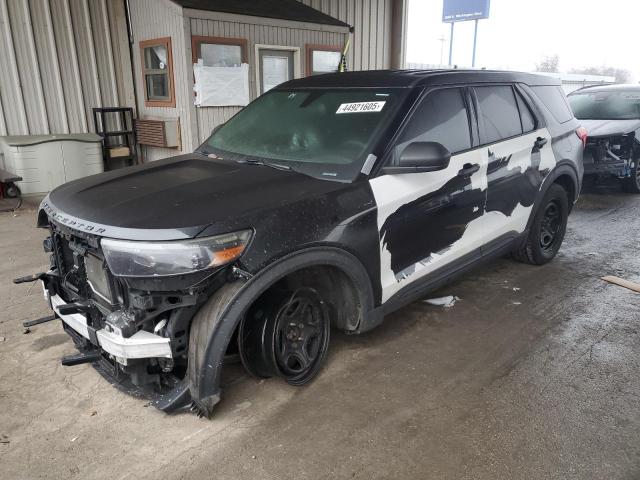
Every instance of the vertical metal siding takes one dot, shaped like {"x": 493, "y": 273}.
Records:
{"x": 27, "y": 65}
{"x": 13, "y": 108}
{"x": 103, "y": 52}
{"x": 58, "y": 62}
{"x": 45, "y": 48}
{"x": 71, "y": 84}
{"x": 120, "y": 50}
{"x": 86, "y": 55}
{"x": 371, "y": 19}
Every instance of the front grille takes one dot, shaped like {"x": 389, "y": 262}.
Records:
{"x": 69, "y": 265}
{"x": 65, "y": 254}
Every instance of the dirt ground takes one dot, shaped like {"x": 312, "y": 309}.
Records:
{"x": 533, "y": 374}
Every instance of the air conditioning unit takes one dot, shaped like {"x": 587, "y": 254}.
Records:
{"x": 158, "y": 133}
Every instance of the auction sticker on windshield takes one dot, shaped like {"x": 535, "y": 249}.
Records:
{"x": 359, "y": 107}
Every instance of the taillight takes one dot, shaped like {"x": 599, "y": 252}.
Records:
{"x": 582, "y": 135}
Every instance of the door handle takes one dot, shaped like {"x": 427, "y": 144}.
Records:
{"x": 540, "y": 142}
{"x": 468, "y": 169}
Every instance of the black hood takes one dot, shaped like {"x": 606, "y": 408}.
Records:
{"x": 179, "y": 197}
{"x": 605, "y": 128}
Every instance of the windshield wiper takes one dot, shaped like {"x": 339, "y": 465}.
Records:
{"x": 265, "y": 164}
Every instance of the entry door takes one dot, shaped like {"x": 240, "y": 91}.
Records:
{"x": 276, "y": 67}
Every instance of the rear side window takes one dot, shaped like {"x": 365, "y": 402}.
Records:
{"x": 441, "y": 117}
{"x": 556, "y": 101}
{"x": 498, "y": 113}
{"x": 528, "y": 120}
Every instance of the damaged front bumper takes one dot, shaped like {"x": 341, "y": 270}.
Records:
{"x": 141, "y": 363}
{"x": 134, "y": 332}
{"x": 135, "y": 329}
{"x": 142, "y": 344}
{"x": 611, "y": 155}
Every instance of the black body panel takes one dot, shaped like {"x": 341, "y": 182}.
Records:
{"x": 301, "y": 226}
{"x": 192, "y": 195}
{"x": 431, "y": 223}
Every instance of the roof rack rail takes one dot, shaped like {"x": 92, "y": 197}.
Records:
{"x": 593, "y": 86}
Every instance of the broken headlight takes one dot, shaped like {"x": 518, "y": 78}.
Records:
{"x": 156, "y": 259}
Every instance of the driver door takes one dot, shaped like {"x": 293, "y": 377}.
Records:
{"x": 426, "y": 220}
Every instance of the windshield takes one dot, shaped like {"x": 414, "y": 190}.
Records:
{"x": 618, "y": 105}
{"x": 324, "y": 133}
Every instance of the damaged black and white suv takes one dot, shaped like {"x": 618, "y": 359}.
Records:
{"x": 326, "y": 203}
{"x": 611, "y": 115}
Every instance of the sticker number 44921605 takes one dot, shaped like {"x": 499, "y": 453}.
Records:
{"x": 360, "y": 107}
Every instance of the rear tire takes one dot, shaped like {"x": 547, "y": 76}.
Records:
{"x": 547, "y": 229}
{"x": 632, "y": 184}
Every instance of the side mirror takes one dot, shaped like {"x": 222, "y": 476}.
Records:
{"x": 421, "y": 157}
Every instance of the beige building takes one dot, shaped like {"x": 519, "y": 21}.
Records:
{"x": 62, "y": 58}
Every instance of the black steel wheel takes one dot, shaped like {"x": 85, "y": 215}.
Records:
{"x": 632, "y": 184}
{"x": 547, "y": 228}
{"x": 288, "y": 337}
{"x": 550, "y": 227}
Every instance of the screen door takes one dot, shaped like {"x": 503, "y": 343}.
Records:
{"x": 276, "y": 66}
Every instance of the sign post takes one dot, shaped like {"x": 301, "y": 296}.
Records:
{"x": 475, "y": 39}
{"x": 461, "y": 11}
{"x": 451, "y": 43}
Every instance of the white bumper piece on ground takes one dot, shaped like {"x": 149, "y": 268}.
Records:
{"x": 142, "y": 344}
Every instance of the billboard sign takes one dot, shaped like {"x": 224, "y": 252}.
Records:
{"x": 463, "y": 10}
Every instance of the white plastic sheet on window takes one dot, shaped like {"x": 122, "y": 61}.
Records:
{"x": 221, "y": 86}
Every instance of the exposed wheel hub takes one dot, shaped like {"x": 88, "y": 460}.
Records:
{"x": 297, "y": 334}
{"x": 550, "y": 226}
{"x": 289, "y": 338}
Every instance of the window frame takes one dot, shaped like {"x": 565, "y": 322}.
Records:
{"x": 309, "y": 48}
{"x": 563, "y": 98}
{"x": 165, "y": 42}
{"x": 197, "y": 40}
{"x": 480, "y": 122}
{"x": 471, "y": 120}
{"x": 536, "y": 122}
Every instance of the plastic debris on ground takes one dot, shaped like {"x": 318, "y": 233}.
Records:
{"x": 446, "y": 302}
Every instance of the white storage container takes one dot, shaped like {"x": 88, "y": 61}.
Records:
{"x": 46, "y": 161}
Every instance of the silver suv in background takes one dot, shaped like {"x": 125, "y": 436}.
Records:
{"x": 611, "y": 115}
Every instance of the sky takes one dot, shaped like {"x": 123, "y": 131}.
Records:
{"x": 518, "y": 34}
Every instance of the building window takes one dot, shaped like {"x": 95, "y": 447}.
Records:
{"x": 157, "y": 72}
{"x": 219, "y": 51}
{"x": 323, "y": 59}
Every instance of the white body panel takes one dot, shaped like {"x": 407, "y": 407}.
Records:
{"x": 140, "y": 345}
{"x": 393, "y": 191}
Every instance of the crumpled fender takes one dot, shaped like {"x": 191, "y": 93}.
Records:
{"x": 215, "y": 322}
